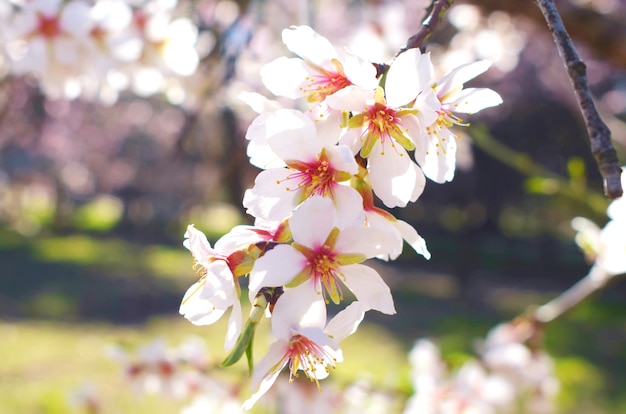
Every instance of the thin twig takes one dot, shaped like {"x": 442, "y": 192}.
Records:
{"x": 599, "y": 133}
{"x": 435, "y": 14}
{"x": 596, "y": 279}
{"x": 438, "y": 10}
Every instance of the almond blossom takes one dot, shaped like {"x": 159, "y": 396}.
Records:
{"x": 216, "y": 290}
{"x": 437, "y": 156}
{"x": 384, "y": 128}
{"x": 319, "y": 72}
{"x": 325, "y": 256}
{"x": 304, "y": 340}
{"x": 507, "y": 372}
{"x": 154, "y": 370}
{"x": 44, "y": 38}
{"x": 313, "y": 168}
{"x": 605, "y": 247}
{"x": 168, "y": 49}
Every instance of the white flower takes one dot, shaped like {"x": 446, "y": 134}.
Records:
{"x": 44, "y": 38}
{"x": 304, "y": 340}
{"x": 437, "y": 156}
{"x": 612, "y": 257}
{"x": 313, "y": 168}
{"x": 319, "y": 73}
{"x": 606, "y": 246}
{"x": 383, "y": 133}
{"x": 324, "y": 256}
{"x": 217, "y": 289}
{"x": 168, "y": 48}
{"x": 154, "y": 370}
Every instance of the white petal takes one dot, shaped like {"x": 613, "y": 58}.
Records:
{"x": 235, "y": 323}
{"x": 395, "y": 246}
{"x": 436, "y": 154}
{"x": 342, "y": 159}
{"x": 327, "y": 122}
{"x": 352, "y": 138}
{"x": 242, "y": 235}
{"x": 111, "y": 15}
{"x": 259, "y": 151}
{"x": 286, "y": 77}
{"x": 47, "y": 7}
{"x": 258, "y": 102}
{"x": 266, "y": 372}
{"x": 412, "y": 238}
{"x": 366, "y": 241}
{"x": 428, "y": 106}
{"x": 409, "y": 74}
{"x": 277, "y": 267}
{"x": 274, "y": 195}
{"x": 351, "y": 98}
{"x": 613, "y": 258}
{"x": 297, "y": 308}
{"x": 458, "y": 76}
{"x": 369, "y": 288}
{"x": 472, "y": 100}
{"x": 75, "y": 18}
{"x": 35, "y": 59}
{"x": 66, "y": 51}
{"x": 348, "y": 205}
{"x": 396, "y": 179}
{"x": 198, "y": 310}
{"x": 312, "y": 221}
{"x": 360, "y": 71}
{"x": 198, "y": 244}
{"x": 306, "y": 43}
{"x": 346, "y": 322}
{"x": 292, "y": 135}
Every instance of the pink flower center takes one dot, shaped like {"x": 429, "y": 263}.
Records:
{"x": 49, "y": 27}
{"x": 307, "y": 356}
{"x": 324, "y": 269}
{"x": 439, "y": 130}
{"x": 382, "y": 121}
{"x": 315, "y": 178}
{"x": 327, "y": 82}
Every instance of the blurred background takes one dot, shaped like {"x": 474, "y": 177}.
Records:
{"x": 99, "y": 180}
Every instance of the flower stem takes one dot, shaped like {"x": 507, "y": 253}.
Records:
{"x": 596, "y": 279}
{"x": 438, "y": 10}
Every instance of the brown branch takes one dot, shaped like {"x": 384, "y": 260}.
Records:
{"x": 438, "y": 10}
{"x": 599, "y": 133}
{"x": 435, "y": 14}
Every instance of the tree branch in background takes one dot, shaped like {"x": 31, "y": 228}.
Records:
{"x": 596, "y": 279}
{"x": 438, "y": 10}
{"x": 599, "y": 134}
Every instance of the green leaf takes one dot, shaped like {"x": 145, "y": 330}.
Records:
{"x": 243, "y": 344}
{"x": 249, "y": 355}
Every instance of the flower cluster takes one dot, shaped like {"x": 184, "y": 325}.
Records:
{"x": 179, "y": 373}
{"x": 510, "y": 371}
{"x": 96, "y": 49}
{"x": 363, "y": 136}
